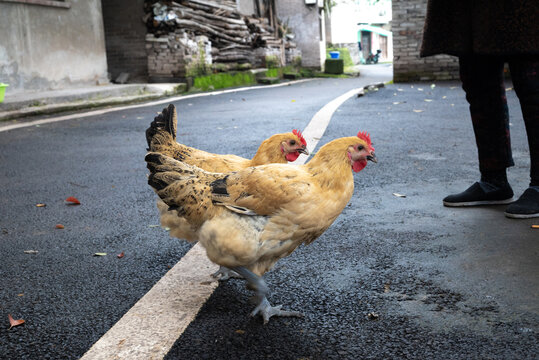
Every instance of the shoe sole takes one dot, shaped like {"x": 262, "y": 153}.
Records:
{"x": 477, "y": 203}
{"x": 521, "y": 216}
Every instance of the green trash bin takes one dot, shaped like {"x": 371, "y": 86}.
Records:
{"x": 2, "y": 91}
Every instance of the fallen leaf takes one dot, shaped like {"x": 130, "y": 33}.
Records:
{"x": 386, "y": 288}
{"x": 22, "y": 294}
{"x": 59, "y": 226}
{"x": 240, "y": 331}
{"x": 428, "y": 100}
{"x": 14, "y": 322}
{"x": 100, "y": 254}
{"x": 31, "y": 251}
{"x": 41, "y": 205}
{"x": 535, "y": 226}
{"x": 153, "y": 226}
{"x": 120, "y": 255}
{"x": 418, "y": 111}
{"x": 399, "y": 195}
{"x": 72, "y": 201}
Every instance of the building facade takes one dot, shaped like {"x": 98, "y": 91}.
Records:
{"x": 49, "y": 44}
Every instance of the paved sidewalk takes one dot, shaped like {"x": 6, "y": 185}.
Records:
{"x": 23, "y": 104}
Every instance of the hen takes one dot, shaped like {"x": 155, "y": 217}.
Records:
{"x": 161, "y": 138}
{"x": 247, "y": 220}
{"x": 279, "y": 148}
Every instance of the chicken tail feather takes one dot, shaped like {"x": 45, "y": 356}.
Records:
{"x": 184, "y": 188}
{"x": 166, "y": 121}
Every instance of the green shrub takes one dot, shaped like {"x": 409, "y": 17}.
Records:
{"x": 275, "y": 73}
{"x": 272, "y": 62}
{"x": 344, "y": 54}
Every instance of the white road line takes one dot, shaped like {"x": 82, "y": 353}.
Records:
{"x": 157, "y": 102}
{"x": 150, "y": 328}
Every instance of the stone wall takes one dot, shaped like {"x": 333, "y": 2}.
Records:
{"x": 407, "y": 27}
{"x": 170, "y": 56}
{"x": 124, "y": 38}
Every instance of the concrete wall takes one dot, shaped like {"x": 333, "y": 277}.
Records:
{"x": 246, "y": 7}
{"x": 308, "y": 28}
{"x": 125, "y": 35}
{"x": 46, "y": 47}
{"x": 407, "y": 27}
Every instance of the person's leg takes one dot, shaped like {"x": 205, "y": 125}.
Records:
{"x": 525, "y": 76}
{"x": 482, "y": 80}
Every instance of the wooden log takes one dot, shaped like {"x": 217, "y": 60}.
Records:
{"x": 208, "y": 30}
{"x": 208, "y": 15}
{"x": 209, "y": 7}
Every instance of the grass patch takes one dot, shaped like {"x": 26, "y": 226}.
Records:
{"x": 275, "y": 73}
{"x": 223, "y": 80}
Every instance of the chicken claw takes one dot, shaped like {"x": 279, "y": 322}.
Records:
{"x": 225, "y": 273}
{"x": 267, "y": 311}
{"x": 263, "y": 308}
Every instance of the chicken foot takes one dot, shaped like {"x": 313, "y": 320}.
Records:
{"x": 264, "y": 307}
{"x": 225, "y": 273}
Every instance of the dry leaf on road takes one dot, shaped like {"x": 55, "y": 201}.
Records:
{"x": 72, "y": 201}
{"x": 13, "y": 322}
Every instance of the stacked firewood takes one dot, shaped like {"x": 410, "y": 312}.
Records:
{"x": 233, "y": 36}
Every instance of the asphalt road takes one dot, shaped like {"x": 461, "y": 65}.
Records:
{"x": 442, "y": 283}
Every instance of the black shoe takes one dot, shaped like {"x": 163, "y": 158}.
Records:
{"x": 481, "y": 193}
{"x": 526, "y": 207}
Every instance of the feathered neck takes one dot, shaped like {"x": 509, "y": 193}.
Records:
{"x": 270, "y": 151}
{"x": 331, "y": 164}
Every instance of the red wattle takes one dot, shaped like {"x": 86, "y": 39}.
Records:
{"x": 359, "y": 165}
{"x": 292, "y": 156}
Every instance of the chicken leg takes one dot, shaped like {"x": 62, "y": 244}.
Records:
{"x": 225, "y": 273}
{"x": 263, "y": 308}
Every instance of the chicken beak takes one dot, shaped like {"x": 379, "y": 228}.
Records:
{"x": 372, "y": 158}
{"x": 303, "y": 150}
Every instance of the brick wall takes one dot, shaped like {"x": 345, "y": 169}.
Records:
{"x": 125, "y": 35}
{"x": 407, "y": 27}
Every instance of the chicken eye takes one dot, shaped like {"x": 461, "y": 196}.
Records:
{"x": 292, "y": 142}
{"x": 360, "y": 147}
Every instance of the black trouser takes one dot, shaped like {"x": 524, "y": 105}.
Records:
{"x": 482, "y": 80}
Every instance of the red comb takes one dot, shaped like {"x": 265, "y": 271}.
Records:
{"x": 366, "y": 137}
{"x": 298, "y": 134}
